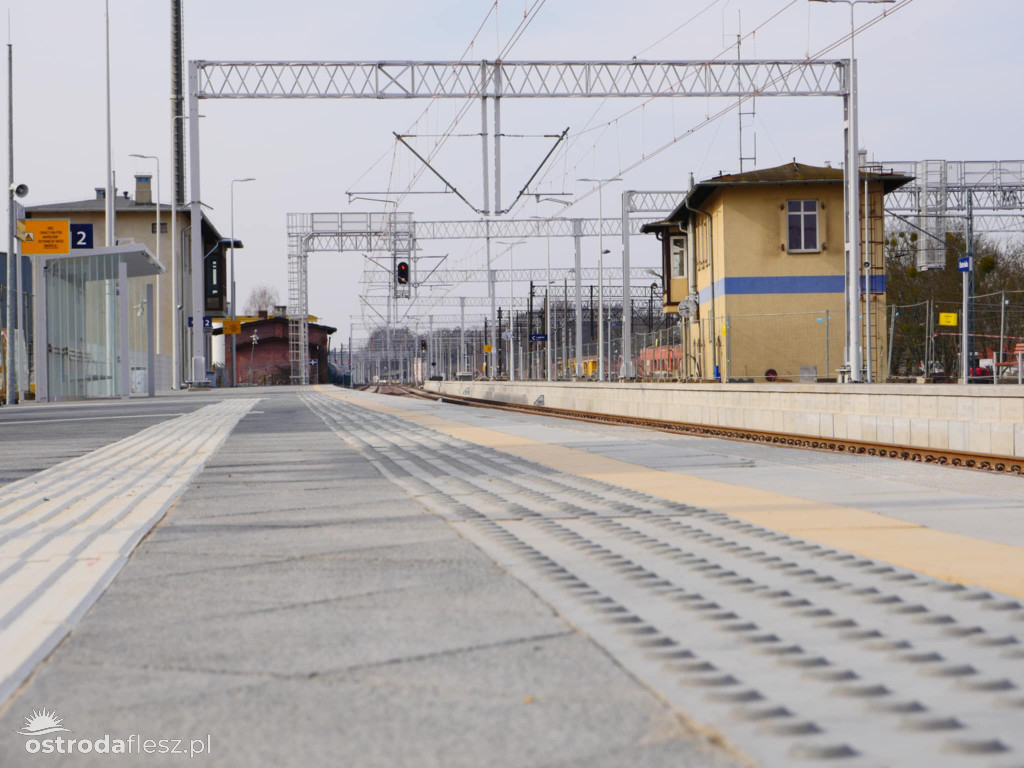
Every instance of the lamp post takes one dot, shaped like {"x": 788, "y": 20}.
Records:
{"x": 234, "y": 312}
{"x": 108, "y": 203}
{"x": 159, "y": 278}
{"x": 853, "y": 260}
{"x": 511, "y": 313}
{"x": 600, "y": 270}
{"x": 175, "y": 276}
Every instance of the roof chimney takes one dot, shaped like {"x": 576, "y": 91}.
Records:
{"x": 143, "y": 188}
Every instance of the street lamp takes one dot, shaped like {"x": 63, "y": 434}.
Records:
{"x": 600, "y": 270}
{"x": 234, "y": 312}
{"x": 650, "y": 309}
{"x": 372, "y": 199}
{"x": 852, "y": 271}
{"x": 159, "y": 278}
{"x": 511, "y": 313}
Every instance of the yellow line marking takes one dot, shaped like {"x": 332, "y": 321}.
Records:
{"x": 940, "y": 554}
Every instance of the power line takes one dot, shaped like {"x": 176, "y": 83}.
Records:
{"x": 735, "y": 105}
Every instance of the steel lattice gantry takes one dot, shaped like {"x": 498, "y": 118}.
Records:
{"x": 514, "y": 79}
{"x": 397, "y": 233}
{"x": 610, "y": 292}
{"x": 940, "y": 191}
{"x": 447, "y": 277}
{"x": 497, "y": 80}
{"x": 392, "y": 232}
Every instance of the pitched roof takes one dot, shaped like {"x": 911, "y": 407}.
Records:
{"x": 121, "y": 204}
{"x": 789, "y": 173}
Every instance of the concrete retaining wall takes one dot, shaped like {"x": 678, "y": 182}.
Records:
{"x": 976, "y": 418}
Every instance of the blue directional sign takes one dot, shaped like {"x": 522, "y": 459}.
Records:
{"x": 538, "y": 337}
{"x": 81, "y": 236}
{"x": 963, "y": 264}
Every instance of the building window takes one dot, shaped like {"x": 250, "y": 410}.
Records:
{"x": 802, "y": 225}
{"x": 163, "y": 228}
{"x": 677, "y": 256}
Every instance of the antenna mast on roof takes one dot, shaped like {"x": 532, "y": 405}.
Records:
{"x": 750, "y": 111}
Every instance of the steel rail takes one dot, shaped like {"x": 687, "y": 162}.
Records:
{"x": 1012, "y": 465}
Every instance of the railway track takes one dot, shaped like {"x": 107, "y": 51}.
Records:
{"x": 964, "y": 459}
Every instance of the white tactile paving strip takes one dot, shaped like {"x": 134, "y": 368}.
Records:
{"x": 65, "y": 532}
{"x": 797, "y": 653}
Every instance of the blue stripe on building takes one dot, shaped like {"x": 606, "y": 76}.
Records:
{"x": 764, "y": 286}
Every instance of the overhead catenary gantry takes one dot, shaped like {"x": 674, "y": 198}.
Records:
{"x": 449, "y": 277}
{"x": 370, "y": 232}
{"x": 497, "y": 80}
{"x": 940, "y": 190}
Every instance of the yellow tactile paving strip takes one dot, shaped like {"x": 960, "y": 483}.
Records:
{"x": 943, "y": 555}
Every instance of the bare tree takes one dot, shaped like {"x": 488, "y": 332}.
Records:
{"x": 262, "y": 298}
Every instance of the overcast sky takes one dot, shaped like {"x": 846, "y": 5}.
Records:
{"x": 939, "y": 80}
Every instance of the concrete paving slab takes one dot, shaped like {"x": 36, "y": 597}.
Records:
{"x": 324, "y": 618}
{"x": 861, "y": 482}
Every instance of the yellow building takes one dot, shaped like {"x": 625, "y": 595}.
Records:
{"x": 136, "y": 223}
{"x": 758, "y": 257}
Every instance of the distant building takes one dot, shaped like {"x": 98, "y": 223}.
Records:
{"x": 762, "y": 255}
{"x": 136, "y": 223}
{"x": 268, "y": 361}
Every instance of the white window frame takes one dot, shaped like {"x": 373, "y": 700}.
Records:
{"x": 803, "y": 213}
{"x": 672, "y": 252}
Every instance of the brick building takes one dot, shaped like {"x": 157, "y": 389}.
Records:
{"x": 268, "y": 362}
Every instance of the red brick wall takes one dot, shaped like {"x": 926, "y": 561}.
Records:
{"x": 270, "y": 361}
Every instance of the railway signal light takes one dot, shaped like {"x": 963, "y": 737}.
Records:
{"x": 423, "y": 345}
{"x": 402, "y": 273}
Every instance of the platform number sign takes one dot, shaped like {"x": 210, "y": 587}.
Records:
{"x": 81, "y": 236}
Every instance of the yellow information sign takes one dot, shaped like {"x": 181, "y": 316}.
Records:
{"x": 488, "y": 348}
{"x": 947, "y": 318}
{"x": 46, "y": 237}
{"x": 232, "y": 327}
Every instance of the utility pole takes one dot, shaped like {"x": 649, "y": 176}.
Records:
{"x": 577, "y": 233}
{"x": 600, "y": 270}
{"x": 591, "y": 313}
{"x": 462, "y": 334}
{"x": 12, "y": 251}
{"x": 965, "y": 320}
{"x": 852, "y": 203}
{"x": 529, "y": 347}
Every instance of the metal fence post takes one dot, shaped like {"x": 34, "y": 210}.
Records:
{"x": 892, "y": 337}
{"x": 728, "y": 348}
{"x": 828, "y": 364}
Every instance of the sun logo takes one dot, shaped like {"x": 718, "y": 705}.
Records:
{"x": 40, "y": 723}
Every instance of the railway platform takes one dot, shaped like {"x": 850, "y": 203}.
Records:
{"x": 316, "y": 576}
{"x": 942, "y": 418}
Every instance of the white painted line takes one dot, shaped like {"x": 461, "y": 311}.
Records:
{"x": 94, "y": 418}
